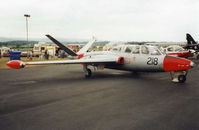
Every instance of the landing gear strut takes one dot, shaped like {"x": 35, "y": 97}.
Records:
{"x": 87, "y": 71}
{"x": 179, "y": 76}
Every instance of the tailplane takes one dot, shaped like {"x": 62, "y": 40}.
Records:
{"x": 68, "y": 50}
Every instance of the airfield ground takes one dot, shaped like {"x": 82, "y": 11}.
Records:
{"x": 59, "y": 97}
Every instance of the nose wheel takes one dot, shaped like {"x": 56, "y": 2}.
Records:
{"x": 179, "y": 76}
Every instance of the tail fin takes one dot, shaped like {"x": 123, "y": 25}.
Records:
{"x": 87, "y": 46}
{"x": 190, "y": 39}
{"x": 66, "y": 49}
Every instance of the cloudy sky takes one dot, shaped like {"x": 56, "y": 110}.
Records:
{"x": 117, "y": 20}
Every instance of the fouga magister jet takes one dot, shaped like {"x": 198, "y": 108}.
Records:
{"x": 135, "y": 58}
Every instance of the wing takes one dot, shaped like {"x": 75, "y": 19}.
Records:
{"x": 78, "y": 61}
{"x": 16, "y": 64}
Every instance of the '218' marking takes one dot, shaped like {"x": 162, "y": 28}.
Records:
{"x": 152, "y": 61}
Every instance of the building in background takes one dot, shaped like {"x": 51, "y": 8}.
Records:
{"x": 4, "y": 51}
{"x": 40, "y": 48}
{"x": 75, "y": 47}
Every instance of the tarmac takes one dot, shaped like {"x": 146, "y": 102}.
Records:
{"x": 59, "y": 97}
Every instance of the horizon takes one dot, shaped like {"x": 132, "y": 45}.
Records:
{"x": 76, "y": 40}
{"x": 61, "y": 39}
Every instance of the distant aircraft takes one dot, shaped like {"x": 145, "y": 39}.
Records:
{"x": 175, "y": 50}
{"x": 135, "y": 58}
{"x": 191, "y": 43}
{"x": 188, "y": 50}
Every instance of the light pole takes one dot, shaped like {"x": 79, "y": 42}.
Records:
{"x": 27, "y": 16}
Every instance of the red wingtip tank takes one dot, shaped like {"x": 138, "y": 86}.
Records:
{"x": 16, "y": 64}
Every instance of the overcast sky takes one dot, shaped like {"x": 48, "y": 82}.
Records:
{"x": 118, "y": 20}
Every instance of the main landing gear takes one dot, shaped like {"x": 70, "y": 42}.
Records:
{"x": 196, "y": 55}
{"x": 179, "y": 76}
{"x": 87, "y": 71}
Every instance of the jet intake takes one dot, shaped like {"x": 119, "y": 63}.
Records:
{"x": 121, "y": 60}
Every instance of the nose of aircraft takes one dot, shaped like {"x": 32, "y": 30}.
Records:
{"x": 192, "y": 64}
{"x": 175, "y": 63}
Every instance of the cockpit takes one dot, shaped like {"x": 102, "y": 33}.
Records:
{"x": 138, "y": 49}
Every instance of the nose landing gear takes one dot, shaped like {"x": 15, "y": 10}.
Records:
{"x": 178, "y": 76}
{"x": 181, "y": 78}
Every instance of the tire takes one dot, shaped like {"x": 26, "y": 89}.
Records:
{"x": 88, "y": 73}
{"x": 197, "y": 57}
{"x": 181, "y": 78}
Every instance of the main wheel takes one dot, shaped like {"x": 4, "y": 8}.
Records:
{"x": 88, "y": 73}
{"x": 181, "y": 78}
{"x": 197, "y": 57}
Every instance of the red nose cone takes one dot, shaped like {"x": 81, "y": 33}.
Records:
{"x": 15, "y": 64}
{"x": 175, "y": 63}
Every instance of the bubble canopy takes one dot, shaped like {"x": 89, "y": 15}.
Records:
{"x": 138, "y": 49}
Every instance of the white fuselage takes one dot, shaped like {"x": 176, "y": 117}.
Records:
{"x": 138, "y": 61}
